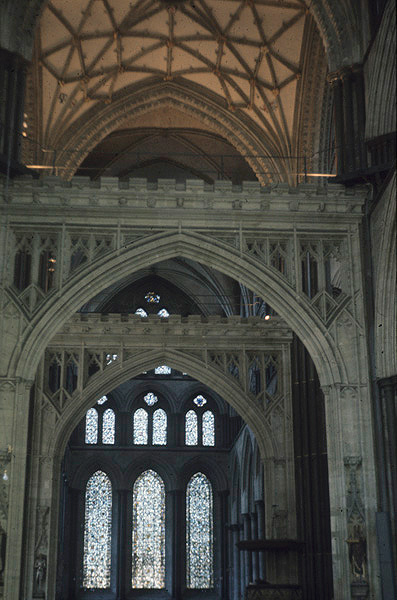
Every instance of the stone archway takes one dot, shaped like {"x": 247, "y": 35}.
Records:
{"x": 52, "y": 450}
{"x": 264, "y": 281}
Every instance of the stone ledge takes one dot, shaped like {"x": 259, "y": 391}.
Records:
{"x": 195, "y": 194}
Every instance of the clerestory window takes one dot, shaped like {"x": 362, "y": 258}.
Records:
{"x": 199, "y": 424}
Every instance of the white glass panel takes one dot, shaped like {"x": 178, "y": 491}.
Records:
{"x": 162, "y": 370}
{"x": 102, "y": 400}
{"x": 148, "y": 532}
{"x": 191, "y": 430}
{"x": 150, "y": 399}
{"x": 142, "y": 312}
{"x": 97, "y": 532}
{"x": 208, "y": 429}
{"x": 160, "y": 427}
{"x": 199, "y": 533}
{"x": 140, "y": 426}
{"x": 91, "y": 426}
{"x": 108, "y": 426}
{"x": 163, "y": 312}
{"x": 200, "y": 401}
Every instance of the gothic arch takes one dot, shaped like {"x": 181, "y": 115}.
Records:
{"x": 104, "y": 382}
{"x": 194, "y": 100}
{"x": 266, "y": 282}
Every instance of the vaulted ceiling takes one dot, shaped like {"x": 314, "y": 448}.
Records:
{"x": 255, "y": 60}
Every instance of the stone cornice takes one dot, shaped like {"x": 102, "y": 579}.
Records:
{"x": 138, "y": 194}
{"x": 227, "y": 333}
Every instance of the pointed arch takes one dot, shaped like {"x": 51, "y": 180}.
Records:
{"x": 271, "y": 286}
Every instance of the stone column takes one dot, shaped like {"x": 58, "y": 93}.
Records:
{"x": 260, "y": 512}
{"x": 255, "y": 555}
{"x": 336, "y": 86}
{"x": 247, "y": 553}
{"x": 12, "y": 83}
{"x": 123, "y": 531}
{"x": 17, "y": 482}
{"x": 224, "y": 518}
{"x": 235, "y": 538}
{"x": 348, "y": 119}
{"x": 175, "y": 502}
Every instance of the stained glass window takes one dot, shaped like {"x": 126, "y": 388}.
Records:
{"x": 199, "y": 533}
{"x": 152, "y": 298}
{"x": 97, "y": 532}
{"x": 200, "y": 401}
{"x": 150, "y": 399}
{"x": 91, "y": 426}
{"x": 162, "y": 370}
{"x": 208, "y": 428}
{"x": 148, "y": 532}
{"x": 191, "y": 429}
{"x": 140, "y": 426}
{"x": 163, "y": 312}
{"x": 108, "y": 426}
{"x": 160, "y": 427}
{"x": 102, "y": 400}
{"x": 142, "y": 312}
{"x": 110, "y": 358}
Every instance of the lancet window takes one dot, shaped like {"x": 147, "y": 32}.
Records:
{"x": 148, "y": 532}
{"x": 97, "y": 532}
{"x": 100, "y": 424}
{"x": 150, "y": 423}
{"x": 199, "y": 533}
{"x": 199, "y": 424}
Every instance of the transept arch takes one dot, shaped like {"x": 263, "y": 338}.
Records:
{"x": 264, "y": 281}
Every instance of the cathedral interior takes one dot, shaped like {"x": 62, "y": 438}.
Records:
{"x": 198, "y": 371}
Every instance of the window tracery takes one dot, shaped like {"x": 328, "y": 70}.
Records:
{"x": 148, "y": 532}
{"x": 160, "y": 427}
{"x": 140, "y": 426}
{"x": 208, "y": 425}
{"x": 191, "y": 428}
{"x": 108, "y": 426}
{"x": 91, "y": 426}
{"x": 97, "y": 532}
{"x": 199, "y": 533}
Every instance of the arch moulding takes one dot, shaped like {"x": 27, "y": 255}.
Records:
{"x": 266, "y": 282}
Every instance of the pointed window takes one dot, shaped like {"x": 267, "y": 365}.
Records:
{"x": 97, "y": 532}
{"x": 140, "y": 427}
{"x": 199, "y": 533}
{"x": 160, "y": 427}
{"x": 148, "y": 532}
{"x": 208, "y": 428}
{"x": 191, "y": 429}
{"x": 108, "y": 426}
{"x": 91, "y": 426}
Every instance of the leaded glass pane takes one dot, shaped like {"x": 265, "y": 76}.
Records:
{"x": 163, "y": 312}
{"x": 200, "y": 401}
{"x": 110, "y": 358}
{"x": 191, "y": 429}
{"x": 152, "y": 298}
{"x": 199, "y": 533}
{"x": 91, "y": 426}
{"x": 150, "y": 399}
{"x": 97, "y": 532}
{"x": 208, "y": 428}
{"x": 162, "y": 370}
{"x": 102, "y": 400}
{"x": 160, "y": 427}
{"x": 141, "y": 311}
{"x": 140, "y": 426}
{"x": 108, "y": 426}
{"x": 148, "y": 532}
